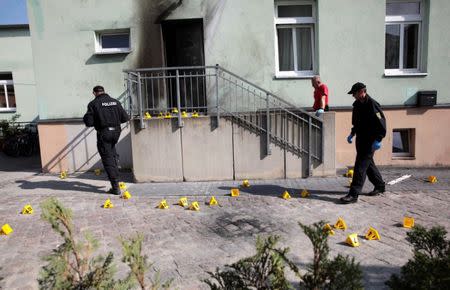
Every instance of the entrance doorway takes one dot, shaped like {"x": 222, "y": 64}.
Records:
{"x": 183, "y": 42}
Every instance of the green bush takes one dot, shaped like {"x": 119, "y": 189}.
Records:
{"x": 430, "y": 266}
{"x": 339, "y": 273}
{"x": 72, "y": 265}
{"x": 265, "y": 270}
{"x": 9, "y": 127}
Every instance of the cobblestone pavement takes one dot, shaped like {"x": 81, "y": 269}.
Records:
{"x": 184, "y": 244}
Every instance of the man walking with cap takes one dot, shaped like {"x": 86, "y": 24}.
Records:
{"x": 369, "y": 126}
{"x": 106, "y": 114}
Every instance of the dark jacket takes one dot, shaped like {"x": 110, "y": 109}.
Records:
{"x": 103, "y": 112}
{"x": 369, "y": 123}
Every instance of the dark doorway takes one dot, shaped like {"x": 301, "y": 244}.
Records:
{"x": 183, "y": 41}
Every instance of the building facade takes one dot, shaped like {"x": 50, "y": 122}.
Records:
{"x": 397, "y": 48}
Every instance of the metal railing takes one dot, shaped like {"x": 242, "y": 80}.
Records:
{"x": 180, "y": 92}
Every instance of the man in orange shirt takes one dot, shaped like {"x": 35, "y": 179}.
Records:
{"x": 320, "y": 96}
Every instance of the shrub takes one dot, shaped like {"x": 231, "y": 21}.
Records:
{"x": 430, "y": 266}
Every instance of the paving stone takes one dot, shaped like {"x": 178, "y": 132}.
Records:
{"x": 184, "y": 244}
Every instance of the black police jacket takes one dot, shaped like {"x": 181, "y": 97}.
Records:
{"x": 104, "y": 112}
{"x": 368, "y": 120}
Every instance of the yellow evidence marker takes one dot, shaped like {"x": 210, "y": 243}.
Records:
{"x": 349, "y": 173}
{"x": 27, "y": 209}
{"x": 286, "y": 195}
{"x": 108, "y": 204}
{"x": 328, "y": 229}
{"x": 246, "y": 183}
{"x": 432, "y": 179}
{"x": 235, "y": 192}
{"x": 6, "y": 229}
{"x": 184, "y": 114}
{"x": 304, "y": 193}
{"x": 213, "y": 201}
{"x": 147, "y": 116}
{"x": 183, "y": 202}
{"x": 63, "y": 175}
{"x": 340, "y": 224}
{"x": 163, "y": 204}
{"x": 122, "y": 185}
{"x": 126, "y": 195}
{"x": 408, "y": 222}
{"x": 194, "y": 114}
{"x": 194, "y": 206}
{"x": 167, "y": 116}
{"x": 174, "y": 111}
{"x": 372, "y": 234}
{"x": 352, "y": 240}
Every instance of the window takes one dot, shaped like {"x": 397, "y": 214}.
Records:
{"x": 7, "y": 95}
{"x": 110, "y": 42}
{"x": 403, "y": 142}
{"x": 403, "y": 36}
{"x": 294, "y": 35}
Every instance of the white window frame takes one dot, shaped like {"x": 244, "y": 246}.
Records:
{"x": 6, "y": 83}
{"x": 403, "y": 20}
{"x": 293, "y": 23}
{"x": 116, "y": 50}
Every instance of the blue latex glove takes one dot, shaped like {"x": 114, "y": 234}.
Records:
{"x": 349, "y": 139}
{"x": 376, "y": 145}
{"x": 319, "y": 112}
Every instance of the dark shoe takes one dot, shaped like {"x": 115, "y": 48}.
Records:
{"x": 377, "y": 191}
{"x": 349, "y": 198}
{"x": 114, "y": 191}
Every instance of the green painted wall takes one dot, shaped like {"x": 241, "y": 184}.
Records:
{"x": 63, "y": 41}
{"x": 239, "y": 35}
{"x": 16, "y": 57}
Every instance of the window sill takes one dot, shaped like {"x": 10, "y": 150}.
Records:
{"x": 389, "y": 74}
{"x": 3, "y": 110}
{"x": 112, "y": 52}
{"x": 403, "y": 158}
{"x": 280, "y": 77}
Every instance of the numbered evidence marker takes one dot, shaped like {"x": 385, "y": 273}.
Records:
{"x": 235, "y": 192}
{"x": 108, "y": 204}
{"x": 340, "y": 224}
{"x": 372, "y": 234}
{"x": 408, "y": 222}
{"x": 194, "y": 206}
{"x": 286, "y": 195}
{"x": 28, "y": 209}
{"x": 213, "y": 201}
{"x": 6, "y": 229}
{"x": 352, "y": 240}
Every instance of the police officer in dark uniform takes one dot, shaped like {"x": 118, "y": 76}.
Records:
{"x": 369, "y": 126}
{"x": 106, "y": 114}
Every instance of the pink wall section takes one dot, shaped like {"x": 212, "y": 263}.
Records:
{"x": 53, "y": 143}
{"x": 432, "y": 137}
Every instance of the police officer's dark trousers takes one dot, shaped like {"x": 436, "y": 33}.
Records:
{"x": 365, "y": 166}
{"x": 107, "y": 139}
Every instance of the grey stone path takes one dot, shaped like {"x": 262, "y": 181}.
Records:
{"x": 184, "y": 244}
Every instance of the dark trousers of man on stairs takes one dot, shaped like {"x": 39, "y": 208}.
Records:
{"x": 107, "y": 139}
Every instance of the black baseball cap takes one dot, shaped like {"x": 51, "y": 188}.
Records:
{"x": 356, "y": 87}
{"x": 98, "y": 89}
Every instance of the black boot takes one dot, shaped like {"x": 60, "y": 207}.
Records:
{"x": 377, "y": 190}
{"x": 114, "y": 188}
{"x": 349, "y": 198}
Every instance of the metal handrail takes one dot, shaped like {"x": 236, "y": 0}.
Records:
{"x": 165, "y": 88}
